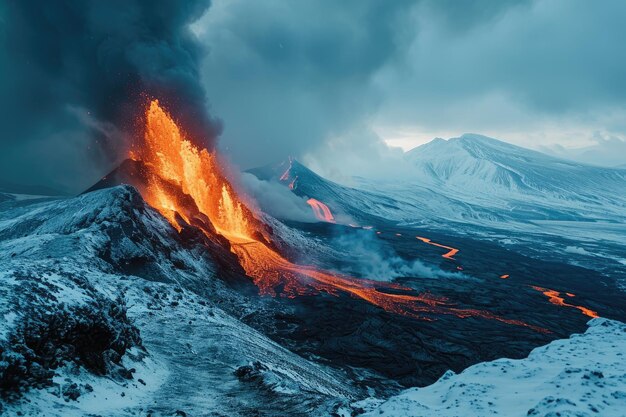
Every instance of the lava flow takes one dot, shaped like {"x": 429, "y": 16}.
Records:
{"x": 555, "y": 298}
{"x": 451, "y": 251}
{"x": 321, "y": 210}
{"x": 186, "y": 183}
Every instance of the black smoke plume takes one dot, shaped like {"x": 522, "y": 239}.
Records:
{"x": 76, "y": 74}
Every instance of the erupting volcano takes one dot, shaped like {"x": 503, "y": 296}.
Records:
{"x": 187, "y": 185}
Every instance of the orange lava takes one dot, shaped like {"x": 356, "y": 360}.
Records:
{"x": 292, "y": 184}
{"x": 287, "y": 172}
{"x": 451, "y": 251}
{"x": 186, "y": 184}
{"x": 505, "y": 276}
{"x": 555, "y": 298}
{"x": 321, "y": 210}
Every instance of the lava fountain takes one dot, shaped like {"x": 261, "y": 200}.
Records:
{"x": 188, "y": 183}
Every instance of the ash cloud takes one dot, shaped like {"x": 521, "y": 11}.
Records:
{"x": 72, "y": 78}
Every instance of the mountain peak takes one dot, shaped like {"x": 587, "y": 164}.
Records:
{"x": 479, "y": 163}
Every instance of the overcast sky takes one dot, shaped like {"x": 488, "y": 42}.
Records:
{"x": 324, "y": 77}
{"x": 339, "y": 84}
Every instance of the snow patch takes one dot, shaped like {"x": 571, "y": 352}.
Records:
{"x": 584, "y": 375}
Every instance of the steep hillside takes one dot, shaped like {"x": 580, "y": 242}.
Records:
{"x": 480, "y": 164}
{"x": 108, "y": 310}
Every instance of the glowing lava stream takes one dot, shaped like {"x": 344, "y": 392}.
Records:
{"x": 321, "y": 210}
{"x": 451, "y": 251}
{"x": 185, "y": 182}
{"x": 555, "y": 298}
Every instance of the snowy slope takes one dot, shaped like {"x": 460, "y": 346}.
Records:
{"x": 478, "y": 186}
{"x": 584, "y": 375}
{"x": 471, "y": 179}
{"x": 107, "y": 310}
{"x": 481, "y": 164}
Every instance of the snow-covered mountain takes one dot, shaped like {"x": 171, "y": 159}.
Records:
{"x": 478, "y": 164}
{"x": 108, "y": 310}
{"x": 478, "y": 186}
{"x": 471, "y": 179}
{"x": 584, "y": 375}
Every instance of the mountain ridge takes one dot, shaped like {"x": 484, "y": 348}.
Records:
{"x": 481, "y": 164}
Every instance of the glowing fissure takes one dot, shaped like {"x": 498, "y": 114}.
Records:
{"x": 321, "y": 210}
{"x": 287, "y": 173}
{"x": 448, "y": 255}
{"x": 292, "y": 184}
{"x": 555, "y": 298}
{"x": 183, "y": 180}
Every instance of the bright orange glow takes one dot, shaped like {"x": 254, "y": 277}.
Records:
{"x": 321, "y": 210}
{"x": 505, "y": 276}
{"x": 555, "y": 298}
{"x": 186, "y": 184}
{"x": 177, "y": 164}
{"x": 451, "y": 251}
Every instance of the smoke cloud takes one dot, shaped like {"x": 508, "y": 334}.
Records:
{"x": 374, "y": 261}
{"x": 72, "y": 78}
{"x": 277, "y": 200}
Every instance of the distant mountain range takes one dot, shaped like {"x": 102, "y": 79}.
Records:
{"x": 471, "y": 178}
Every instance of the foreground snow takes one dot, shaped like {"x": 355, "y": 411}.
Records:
{"x": 584, "y": 375}
{"x": 106, "y": 310}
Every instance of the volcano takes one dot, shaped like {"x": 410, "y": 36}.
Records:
{"x": 165, "y": 275}
{"x": 187, "y": 186}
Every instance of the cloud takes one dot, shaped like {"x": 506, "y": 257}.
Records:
{"x": 606, "y": 150}
{"x": 304, "y": 78}
{"x": 295, "y": 78}
{"x": 284, "y": 76}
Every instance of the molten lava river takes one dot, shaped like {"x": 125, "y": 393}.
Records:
{"x": 184, "y": 181}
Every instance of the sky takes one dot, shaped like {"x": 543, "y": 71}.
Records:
{"x": 343, "y": 86}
